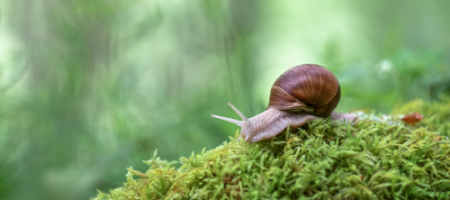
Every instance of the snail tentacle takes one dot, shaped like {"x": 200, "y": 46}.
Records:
{"x": 237, "y": 122}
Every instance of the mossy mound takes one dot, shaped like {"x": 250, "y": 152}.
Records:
{"x": 327, "y": 160}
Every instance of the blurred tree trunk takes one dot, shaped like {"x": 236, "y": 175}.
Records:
{"x": 242, "y": 25}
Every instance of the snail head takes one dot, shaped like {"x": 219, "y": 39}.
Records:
{"x": 245, "y": 124}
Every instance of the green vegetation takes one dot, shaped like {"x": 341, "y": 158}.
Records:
{"x": 326, "y": 160}
{"x": 89, "y": 87}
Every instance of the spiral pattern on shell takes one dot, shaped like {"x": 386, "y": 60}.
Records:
{"x": 306, "y": 88}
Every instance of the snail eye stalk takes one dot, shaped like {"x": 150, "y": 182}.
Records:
{"x": 237, "y": 122}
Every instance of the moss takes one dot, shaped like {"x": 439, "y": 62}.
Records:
{"x": 326, "y": 160}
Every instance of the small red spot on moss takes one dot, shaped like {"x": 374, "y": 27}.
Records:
{"x": 412, "y": 118}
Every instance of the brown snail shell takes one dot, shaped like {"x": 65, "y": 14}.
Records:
{"x": 309, "y": 88}
{"x": 301, "y": 94}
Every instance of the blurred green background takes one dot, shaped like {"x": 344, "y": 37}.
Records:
{"x": 90, "y": 87}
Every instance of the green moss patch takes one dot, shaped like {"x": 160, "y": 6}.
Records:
{"x": 326, "y": 160}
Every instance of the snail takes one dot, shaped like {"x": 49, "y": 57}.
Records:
{"x": 301, "y": 94}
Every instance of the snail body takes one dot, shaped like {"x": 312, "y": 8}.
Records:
{"x": 301, "y": 94}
